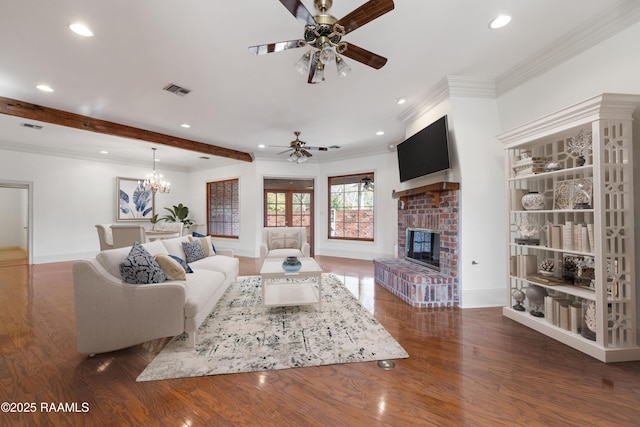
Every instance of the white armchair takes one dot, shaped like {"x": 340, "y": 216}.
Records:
{"x": 281, "y": 242}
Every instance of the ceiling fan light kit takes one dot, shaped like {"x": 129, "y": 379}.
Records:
{"x": 323, "y": 32}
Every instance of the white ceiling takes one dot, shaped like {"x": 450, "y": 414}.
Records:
{"x": 239, "y": 100}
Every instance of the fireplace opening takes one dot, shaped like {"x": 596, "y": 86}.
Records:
{"x": 423, "y": 247}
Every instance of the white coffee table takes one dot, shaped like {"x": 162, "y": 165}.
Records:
{"x": 284, "y": 288}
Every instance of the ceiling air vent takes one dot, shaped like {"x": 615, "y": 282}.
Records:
{"x": 31, "y": 126}
{"x": 178, "y": 90}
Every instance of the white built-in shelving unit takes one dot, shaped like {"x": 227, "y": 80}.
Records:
{"x": 580, "y": 160}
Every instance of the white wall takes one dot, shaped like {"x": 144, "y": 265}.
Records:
{"x": 482, "y": 202}
{"x": 385, "y": 169}
{"x": 612, "y": 66}
{"x": 70, "y": 196}
{"x": 477, "y": 164}
{"x": 252, "y": 175}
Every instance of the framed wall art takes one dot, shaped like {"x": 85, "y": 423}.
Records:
{"x": 131, "y": 203}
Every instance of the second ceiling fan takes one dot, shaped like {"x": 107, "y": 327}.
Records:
{"x": 324, "y": 33}
{"x": 299, "y": 149}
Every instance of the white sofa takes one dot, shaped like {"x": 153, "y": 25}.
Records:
{"x": 281, "y": 242}
{"x": 112, "y": 314}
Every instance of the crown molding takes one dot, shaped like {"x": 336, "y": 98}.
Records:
{"x": 450, "y": 86}
{"x": 588, "y": 35}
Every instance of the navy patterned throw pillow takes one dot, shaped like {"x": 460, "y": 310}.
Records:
{"x": 196, "y": 234}
{"x": 183, "y": 263}
{"x": 193, "y": 251}
{"x": 139, "y": 267}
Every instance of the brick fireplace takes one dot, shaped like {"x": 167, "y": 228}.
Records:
{"x": 435, "y": 208}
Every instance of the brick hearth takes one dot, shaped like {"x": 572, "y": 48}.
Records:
{"x": 415, "y": 284}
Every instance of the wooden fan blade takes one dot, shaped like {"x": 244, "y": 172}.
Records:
{"x": 276, "y": 47}
{"x": 299, "y": 11}
{"x": 317, "y": 148}
{"x": 362, "y": 55}
{"x": 366, "y": 13}
{"x": 306, "y": 153}
{"x": 285, "y": 151}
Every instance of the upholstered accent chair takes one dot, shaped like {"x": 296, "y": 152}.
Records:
{"x": 104, "y": 236}
{"x": 281, "y": 242}
{"x": 126, "y": 234}
{"x": 175, "y": 227}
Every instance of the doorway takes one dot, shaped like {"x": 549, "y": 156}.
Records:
{"x": 289, "y": 203}
{"x": 15, "y": 217}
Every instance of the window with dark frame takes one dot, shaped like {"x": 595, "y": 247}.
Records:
{"x": 351, "y": 207}
{"x": 223, "y": 208}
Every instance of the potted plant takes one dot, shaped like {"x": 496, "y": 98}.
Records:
{"x": 154, "y": 220}
{"x": 179, "y": 213}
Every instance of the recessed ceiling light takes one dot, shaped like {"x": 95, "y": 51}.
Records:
{"x": 81, "y": 30}
{"x": 400, "y": 101}
{"x": 185, "y": 125}
{"x": 261, "y": 146}
{"x": 379, "y": 133}
{"x": 104, "y": 152}
{"x": 499, "y": 22}
{"x": 44, "y": 88}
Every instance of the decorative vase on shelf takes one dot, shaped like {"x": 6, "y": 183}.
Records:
{"x": 536, "y": 295}
{"x": 580, "y": 161}
{"x": 533, "y": 201}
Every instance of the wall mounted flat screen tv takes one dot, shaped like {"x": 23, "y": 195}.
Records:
{"x": 425, "y": 152}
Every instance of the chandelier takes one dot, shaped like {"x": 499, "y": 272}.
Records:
{"x": 154, "y": 182}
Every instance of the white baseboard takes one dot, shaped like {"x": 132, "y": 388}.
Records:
{"x": 483, "y": 298}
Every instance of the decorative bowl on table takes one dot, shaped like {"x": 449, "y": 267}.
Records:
{"x": 291, "y": 264}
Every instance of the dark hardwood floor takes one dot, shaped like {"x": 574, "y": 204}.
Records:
{"x": 468, "y": 367}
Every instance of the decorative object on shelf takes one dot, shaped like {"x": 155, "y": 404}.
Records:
{"x": 533, "y": 201}
{"x": 154, "y": 182}
{"x": 528, "y": 228}
{"x": 571, "y": 192}
{"x": 525, "y": 155}
{"x": 589, "y": 322}
{"x": 518, "y": 296}
{"x": 586, "y": 273}
{"x": 529, "y": 165}
{"x": 552, "y": 166}
{"x": 291, "y": 264}
{"x": 546, "y": 267}
{"x": 580, "y": 270}
{"x": 536, "y": 296}
{"x": 579, "y": 145}
{"x": 582, "y": 194}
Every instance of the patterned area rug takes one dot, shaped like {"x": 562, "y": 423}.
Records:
{"x": 241, "y": 335}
